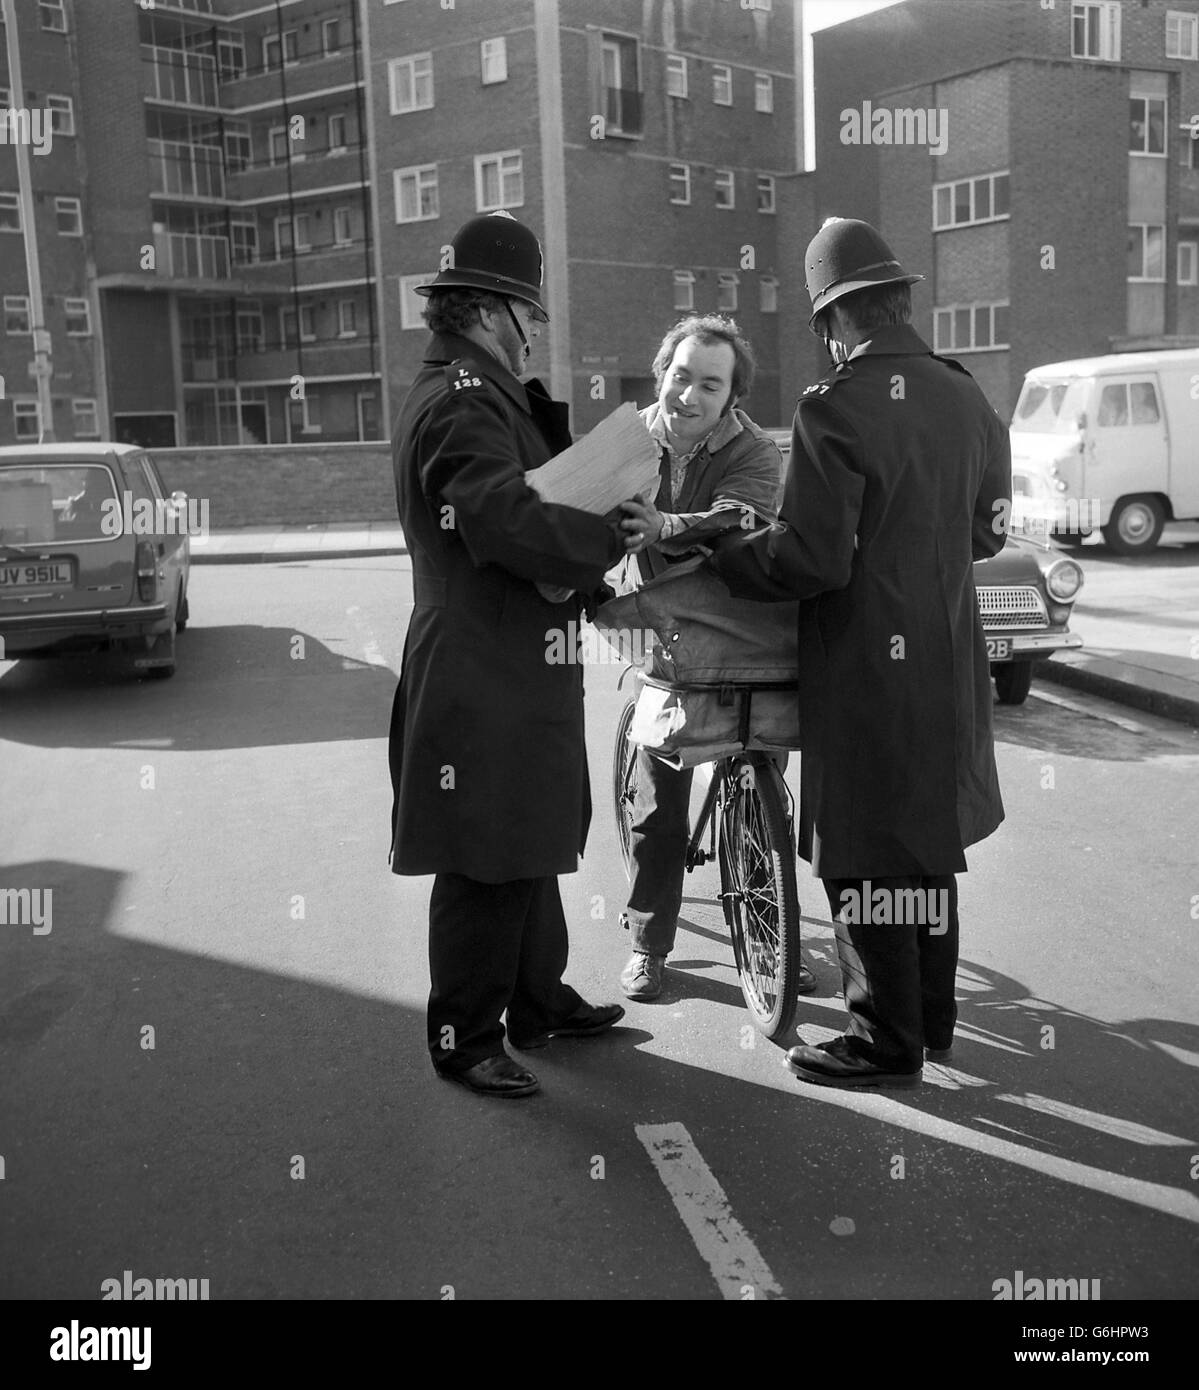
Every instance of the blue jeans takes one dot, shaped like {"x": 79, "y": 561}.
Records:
{"x": 658, "y": 842}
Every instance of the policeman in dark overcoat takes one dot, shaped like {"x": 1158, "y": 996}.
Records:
{"x": 488, "y": 763}
{"x": 900, "y": 478}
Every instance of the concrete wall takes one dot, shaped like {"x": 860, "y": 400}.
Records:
{"x": 284, "y": 484}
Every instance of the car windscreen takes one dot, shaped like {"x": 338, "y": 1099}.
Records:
{"x": 1050, "y": 407}
{"x": 57, "y": 502}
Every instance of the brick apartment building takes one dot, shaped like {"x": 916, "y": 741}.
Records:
{"x": 653, "y": 146}
{"x": 242, "y": 194}
{"x": 1062, "y": 218}
{"x": 59, "y": 181}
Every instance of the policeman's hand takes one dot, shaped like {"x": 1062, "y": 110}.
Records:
{"x": 642, "y": 524}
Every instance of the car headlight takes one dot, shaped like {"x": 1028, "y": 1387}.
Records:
{"x": 1063, "y": 580}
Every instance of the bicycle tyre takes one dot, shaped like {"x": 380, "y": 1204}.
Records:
{"x": 759, "y": 893}
{"x": 624, "y": 783}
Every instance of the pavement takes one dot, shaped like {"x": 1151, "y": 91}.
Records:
{"x": 1139, "y": 618}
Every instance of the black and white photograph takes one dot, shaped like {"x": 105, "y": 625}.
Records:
{"x": 599, "y": 666}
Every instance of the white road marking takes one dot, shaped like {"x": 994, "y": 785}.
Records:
{"x": 700, "y": 1200}
{"x": 372, "y": 654}
{"x": 1091, "y": 1119}
{"x": 1130, "y": 724}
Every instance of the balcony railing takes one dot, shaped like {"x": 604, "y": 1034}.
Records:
{"x": 192, "y": 256}
{"x": 178, "y": 75}
{"x": 186, "y": 170}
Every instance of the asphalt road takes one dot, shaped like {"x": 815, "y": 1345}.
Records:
{"x": 217, "y": 850}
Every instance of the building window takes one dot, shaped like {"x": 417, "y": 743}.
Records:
{"x": 620, "y": 60}
{"x": 278, "y": 49}
{"x": 68, "y": 216}
{"x": 53, "y": 15}
{"x": 411, "y": 83}
{"x": 970, "y": 327}
{"x": 79, "y": 318}
{"x": 244, "y": 239}
{"x": 722, "y": 84}
{"x": 62, "y": 115}
{"x": 16, "y": 314}
{"x": 726, "y": 291}
{"x": 338, "y": 142}
{"x": 85, "y": 418}
{"x": 251, "y": 330}
{"x": 726, "y": 189}
{"x": 27, "y": 420}
{"x": 279, "y": 144}
{"x": 343, "y": 227}
{"x": 412, "y": 305}
{"x": 1147, "y": 125}
{"x": 768, "y": 294}
{"x": 10, "y": 212}
{"x": 499, "y": 181}
{"x": 293, "y": 234}
{"x": 239, "y": 149}
{"x": 684, "y": 289}
{"x": 347, "y": 322}
{"x": 1188, "y": 264}
{"x": 331, "y": 36}
{"x": 1146, "y": 251}
{"x": 765, "y": 192}
{"x": 676, "y": 75}
{"x": 303, "y": 319}
{"x": 1182, "y": 35}
{"x": 1096, "y": 30}
{"x": 680, "y": 183}
{"x": 970, "y": 201}
{"x": 493, "y": 60}
{"x": 763, "y": 92}
{"x": 416, "y": 193}
{"x": 231, "y": 56}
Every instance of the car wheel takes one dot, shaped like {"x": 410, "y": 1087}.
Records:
{"x": 1135, "y": 526}
{"x": 1013, "y": 682}
{"x": 182, "y": 612}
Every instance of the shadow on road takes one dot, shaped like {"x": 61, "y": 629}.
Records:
{"x": 235, "y": 687}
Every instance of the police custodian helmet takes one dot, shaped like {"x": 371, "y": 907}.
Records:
{"x": 495, "y": 253}
{"x": 847, "y": 255}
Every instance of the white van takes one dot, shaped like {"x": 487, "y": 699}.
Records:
{"x": 1108, "y": 442}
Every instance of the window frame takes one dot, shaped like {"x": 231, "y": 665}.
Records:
{"x": 84, "y": 312}
{"x": 623, "y": 44}
{"x": 12, "y": 303}
{"x": 394, "y": 66}
{"x": 92, "y": 406}
{"x": 414, "y": 172}
{"x": 1108, "y": 30}
{"x": 13, "y": 206}
{"x": 684, "y": 280}
{"x": 972, "y": 307}
{"x": 66, "y": 108}
{"x": 288, "y": 52}
{"x": 1147, "y": 99}
{"x": 764, "y": 85}
{"x": 676, "y": 68}
{"x": 498, "y": 157}
{"x": 21, "y": 408}
{"x": 53, "y": 7}
{"x": 1145, "y": 228}
{"x": 77, "y": 205}
{"x": 719, "y": 81}
{"x": 768, "y": 290}
{"x": 673, "y": 179}
{"x": 343, "y": 213}
{"x": 727, "y": 280}
{"x": 1180, "y": 17}
{"x": 1190, "y": 244}
{"x": 951, "y": 185}
{"x": 326, "y": 25}
{"x": 720, "y": 183}
{"x": 407, "y": 296}
{"x": 766, "y": 184}
{"x": 344, "y": 145}
{"x": 484, "y": 57}
{"x": 342, "y": 330}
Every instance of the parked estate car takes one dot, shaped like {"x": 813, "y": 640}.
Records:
{"x": 1025, "y": 596}
{"x": 93, "y": 555}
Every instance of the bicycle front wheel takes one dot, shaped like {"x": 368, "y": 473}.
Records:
{"x": 761, "y": 901}
{"x": 624, "y": 782}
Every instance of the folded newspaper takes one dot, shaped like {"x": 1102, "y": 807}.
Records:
{"x": 615, "y": 461}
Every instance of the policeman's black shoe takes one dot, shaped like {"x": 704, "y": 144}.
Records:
{"x": 806, "y": 982}
{"x": 642, "y": 976}
{"x": 835, "y": 1063}
{"x": 939, "y": 1054}
{"x": 585, "y": 1022}
{"x": 494, "y": 1076}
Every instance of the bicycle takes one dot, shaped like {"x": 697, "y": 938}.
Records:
{"x": 746, "y": 815}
